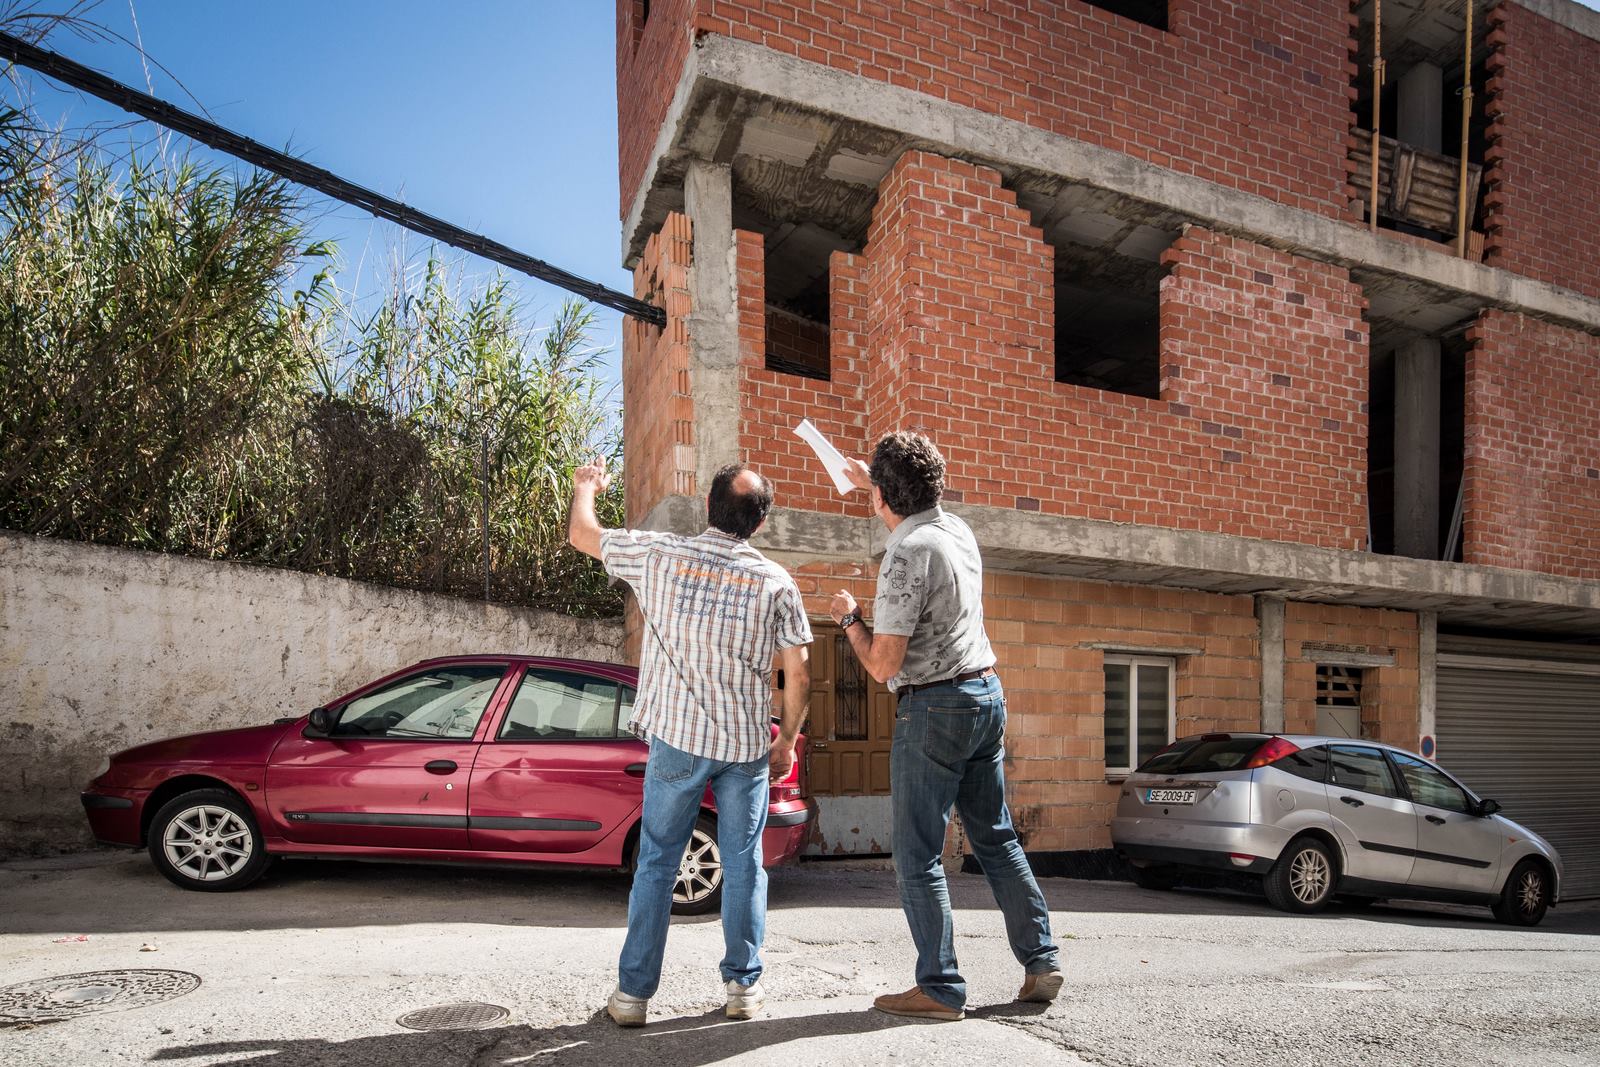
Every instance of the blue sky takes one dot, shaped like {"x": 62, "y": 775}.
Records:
{"x": 498, "y": 115}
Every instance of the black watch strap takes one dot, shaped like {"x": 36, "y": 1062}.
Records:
{"x": 849, "y": 620}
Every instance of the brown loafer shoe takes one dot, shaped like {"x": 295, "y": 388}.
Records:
{"x": 1040, "y": 988}
{"x": 915, "y": 1004}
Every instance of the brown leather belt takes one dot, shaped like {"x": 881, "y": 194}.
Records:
{"x": 969, "y": 676}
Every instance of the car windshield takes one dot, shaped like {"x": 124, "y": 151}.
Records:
{"x": 1197, "y": 755}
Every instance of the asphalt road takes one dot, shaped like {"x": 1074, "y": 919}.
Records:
{"x": 314, "y": 964}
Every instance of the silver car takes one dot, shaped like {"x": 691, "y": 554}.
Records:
{"x": 1320, "y": 816}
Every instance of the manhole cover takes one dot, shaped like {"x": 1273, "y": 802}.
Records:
{"x": 469, "y": 1015}
{"x": 50, "y": 1000}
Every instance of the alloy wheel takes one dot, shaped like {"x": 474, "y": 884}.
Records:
{"x": 1308, "y": 876}
{"x": 700, "y": 873}
{"x": 1530, "y": 891}
{"x": 207, "y": 842}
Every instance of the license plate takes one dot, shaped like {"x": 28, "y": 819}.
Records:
{"x": 1169, "y": 796}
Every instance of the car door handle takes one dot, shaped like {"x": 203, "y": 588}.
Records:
{"x": 1434, "y": 819}
{"x": 634, "y": 769}
{"x": 440, "y": 766}
{"x": 1353, "y": 802}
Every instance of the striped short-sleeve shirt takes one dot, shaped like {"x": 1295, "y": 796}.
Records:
{"x": 715, "y": 611}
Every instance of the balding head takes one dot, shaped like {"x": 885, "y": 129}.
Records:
{"x": 739, "y": 501}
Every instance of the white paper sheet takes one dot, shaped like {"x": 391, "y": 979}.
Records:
{"x": 831, "y": 459}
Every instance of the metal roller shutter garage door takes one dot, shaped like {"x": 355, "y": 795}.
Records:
{"x": 1531, "y": 740}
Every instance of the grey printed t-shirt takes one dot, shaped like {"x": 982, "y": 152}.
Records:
{"x": 930, "y": 589}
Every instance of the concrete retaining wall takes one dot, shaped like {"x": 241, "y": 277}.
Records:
{"x": 103, "y": 648}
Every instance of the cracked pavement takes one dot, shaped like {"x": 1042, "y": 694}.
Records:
{"x": 314, "y": 964}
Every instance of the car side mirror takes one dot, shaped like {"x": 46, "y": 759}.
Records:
{"x": 1487, "y": 808}
{"x": 320, "y": 724}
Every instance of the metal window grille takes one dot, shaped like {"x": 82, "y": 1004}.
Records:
{"x": 849, "y": 693}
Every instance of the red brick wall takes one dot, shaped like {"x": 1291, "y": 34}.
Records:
{"x": 1389, "y": 694}
{"x": 1251, "y": 95}
{"x": 658, "y": 410}
{"x": 1544, "y": 153}
{"x": 796, "y": 342}
{"x": 1260, "y": 431}
{"x": 1532, "y": 447}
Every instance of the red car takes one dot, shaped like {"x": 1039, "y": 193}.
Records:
{"x": 467, "y": 759}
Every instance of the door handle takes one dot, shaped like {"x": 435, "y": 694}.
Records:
{"x": 1353, "y": 802}
{"x": 636, "y": 770}
{"x": 817, "y": 746}
{"x": 1434, "y": 819}
{"x": 440, "y": 766}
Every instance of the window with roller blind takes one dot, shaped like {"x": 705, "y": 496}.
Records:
{"x": 1140, "y": 713}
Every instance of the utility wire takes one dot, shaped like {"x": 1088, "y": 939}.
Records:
{"x": 323, "y": 181}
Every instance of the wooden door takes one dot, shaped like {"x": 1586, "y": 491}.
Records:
{"x": 851, "y": 724}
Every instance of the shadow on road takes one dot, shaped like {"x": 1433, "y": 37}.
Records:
{"x": 44, "y": 897}
{"x": 701, "y": 1039}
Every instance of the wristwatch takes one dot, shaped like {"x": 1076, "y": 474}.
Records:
{"x": 849, "y": 620}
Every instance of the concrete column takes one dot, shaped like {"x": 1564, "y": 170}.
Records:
{"x": 713, "y": 322}
{"x": 1427, "y": 674}
{"x": 1416, "y": 449}
{"x": 1420, "y": 105}
{"x": 1269, "y": 616}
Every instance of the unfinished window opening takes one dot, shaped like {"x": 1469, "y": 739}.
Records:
{"x": 1418, "y": 108}
{"x": 1338, "y": 700}
{"x": 796, "y": 301}
{"x": 1415, "y": 460}
{"x": 1150, "y": 12}
{"x": 1107, "y": 289}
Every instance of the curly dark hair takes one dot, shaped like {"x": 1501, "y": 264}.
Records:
{"x": 909, "y": 471}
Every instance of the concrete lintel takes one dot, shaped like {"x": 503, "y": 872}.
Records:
{"x": 1143, "y": 650}
{"x": 1568, "y": 13}
{"x": 1012, "y": 145}
{"x": 1312, "y": 652}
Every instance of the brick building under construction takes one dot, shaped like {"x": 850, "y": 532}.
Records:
{"x": 1239, "y": 455}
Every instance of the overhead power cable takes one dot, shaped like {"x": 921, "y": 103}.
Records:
{"x": 323, "y": 181}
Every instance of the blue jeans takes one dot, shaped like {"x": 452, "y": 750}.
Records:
{"x": 949, "y": 752}
{"x": 674, "y": 782}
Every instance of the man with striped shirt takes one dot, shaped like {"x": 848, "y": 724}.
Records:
{"x": 715, "y": 612}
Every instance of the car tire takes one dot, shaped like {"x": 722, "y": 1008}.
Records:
{"x": 1303, "y": 879}
{"x": 1526, "y": 896}
{"x": 207, "y": 840}
{"x": 1155, "y": 876}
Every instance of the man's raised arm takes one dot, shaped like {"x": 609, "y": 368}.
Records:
{"x": 583, "y": 525}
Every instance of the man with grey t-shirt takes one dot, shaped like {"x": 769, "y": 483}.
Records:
{"x": 929, "y": 646}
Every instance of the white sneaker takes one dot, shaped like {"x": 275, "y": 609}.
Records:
{"x": 625, "y": 1010}
{"x": 744, "y": 1001}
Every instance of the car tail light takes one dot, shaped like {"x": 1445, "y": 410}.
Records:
{"x": 1273, "y": 750}
{"x": 793, "y": 785}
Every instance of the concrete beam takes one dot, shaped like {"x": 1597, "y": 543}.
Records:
{"x": 1012, "y": 146}
{"x": 1568, "y": 13}
{"x": 1427, "y": 672}
{"x": 1148, "y": 555}
{"x": 714, "y": 320}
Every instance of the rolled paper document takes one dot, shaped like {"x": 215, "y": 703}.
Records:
{"x": 831, "y": 459}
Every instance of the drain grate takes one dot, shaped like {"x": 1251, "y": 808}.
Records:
{"x": 52, "y": 1000}
{"x": 467, "y": 1015}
